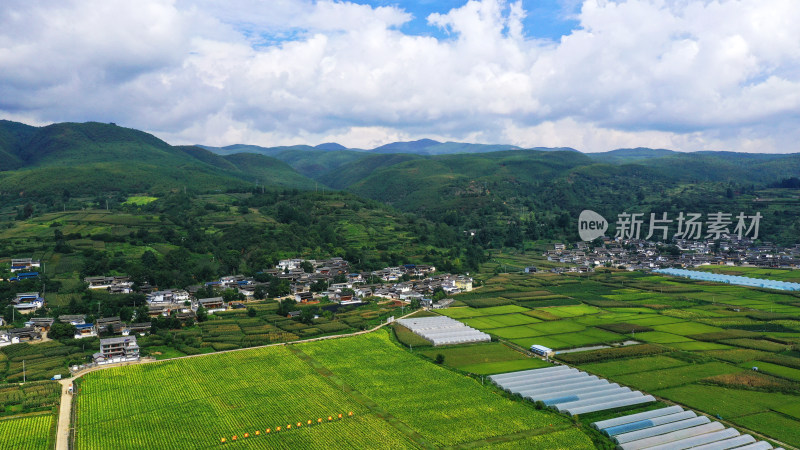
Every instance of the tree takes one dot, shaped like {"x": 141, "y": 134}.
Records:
{"x": 202, "y": 314}
{"x": 149, "y": 259}
{"x": 307, "y": 315}
{"x": 415, "y": 303}
{"x": 307, "y": 267}
{"x": 251, "y": 312}
{"x": 319, "y": 286}
{"x": 285, "y": 306}
{"x": 279, "y": 288}
{"x": 230, "y": 295}
{"x": 126, "y": 313}
{"x": 142, "y": 312}
{"x": 439, "y": 358}
{"x": 260, "y": 292}
{"x": 61, "y": 331}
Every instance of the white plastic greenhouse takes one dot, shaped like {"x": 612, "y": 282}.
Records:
{"x": 673, "y": 428}
{"x": 569, "y": 390}
{"x": 444, "y": 330}
{"x": 731, "y": 279}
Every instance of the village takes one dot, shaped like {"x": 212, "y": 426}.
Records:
{"x": 332, "y": 282}
{"x": 638, "y": 254}
{"x": 305, "y": 282}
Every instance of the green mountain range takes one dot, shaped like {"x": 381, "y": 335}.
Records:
{"x": 88, "y": 158}
{"x": 509, "y": 192}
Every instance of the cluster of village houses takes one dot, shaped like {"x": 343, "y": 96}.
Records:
{"x": 401, "y": 284}
{"x": 637, "y": 254}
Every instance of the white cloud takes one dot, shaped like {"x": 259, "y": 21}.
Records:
{"x": 682, "y": 74}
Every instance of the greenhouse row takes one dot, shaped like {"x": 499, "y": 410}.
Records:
{"x": 444, "y": 330}
{"x": 731, "y": 279}
{"x": 672, "y": 428}
{"x": 569, "y": 390}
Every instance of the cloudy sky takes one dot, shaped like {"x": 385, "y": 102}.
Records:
{"x": 593, "y": 74}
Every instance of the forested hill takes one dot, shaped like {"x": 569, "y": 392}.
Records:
{"x": 506, "y": 193}
{"x": 89, "y": 158}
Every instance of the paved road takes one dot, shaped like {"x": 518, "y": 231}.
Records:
{"x": 65, "y": 408}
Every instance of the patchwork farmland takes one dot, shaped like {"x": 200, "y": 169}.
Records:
{"x": 684, "y": 342}
{"x": 730, "y": 351}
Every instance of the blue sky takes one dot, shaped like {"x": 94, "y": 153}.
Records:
{"x": 594, "y": 75}
{"x": 547, "y": 19}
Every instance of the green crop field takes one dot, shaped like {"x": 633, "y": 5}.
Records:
{"x": 704, "y": 336}
{"x": 33, "y": 432}
{"x": 694, "y": 346}
{"x": 444, "y": 408}
{"x": 774, "y": 369}
{"x": 773, "y": 424}
{"x": 195, "y": 402}
{"x": 727, "y": 403}
{"x": 614, "y": 368}
{"x": 651, "y": 381}
{"x": 485, "y": 359}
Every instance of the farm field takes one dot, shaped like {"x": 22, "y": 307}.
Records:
{"x": 195, "y": 402}
{"x": 445, "y": 408}
{"x": 699, "y": 340}
{"x": 32, "y": 432}
{"x": 201, "y": 400}
{"x": 485, "y": 359}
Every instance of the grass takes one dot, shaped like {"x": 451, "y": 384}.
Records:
{"x": 164, "y": 352}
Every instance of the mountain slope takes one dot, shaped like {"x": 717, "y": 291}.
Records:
{"x": 88, "y": 158}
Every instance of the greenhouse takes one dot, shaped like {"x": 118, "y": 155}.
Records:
{"x": 672, "y": 428}
{"x": 731, "y": 279}
{"x": 444, "y": 330}
{"x": 569, "y": 390}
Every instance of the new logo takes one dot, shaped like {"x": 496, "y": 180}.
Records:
{"x": 591, "y": 225}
